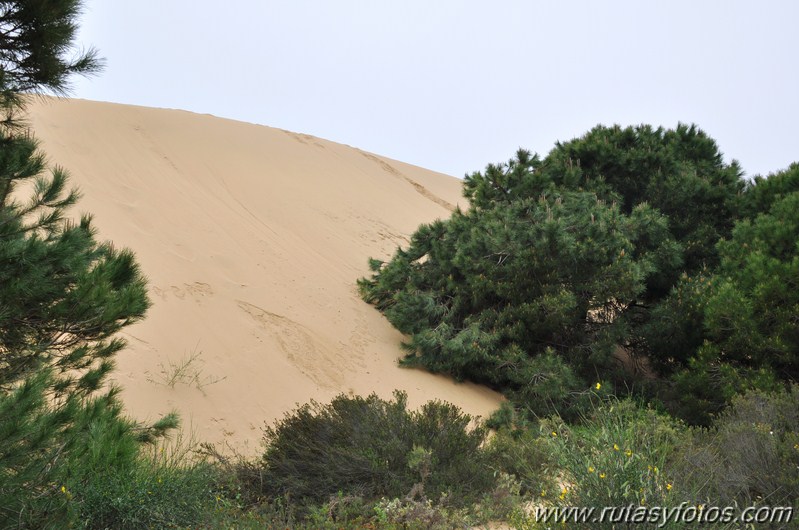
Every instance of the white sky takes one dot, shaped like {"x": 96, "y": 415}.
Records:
{"x": 453, "y": 85}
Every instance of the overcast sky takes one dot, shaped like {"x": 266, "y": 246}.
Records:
{"x": 453, "y": 85}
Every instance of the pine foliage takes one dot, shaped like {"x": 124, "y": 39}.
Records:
{"x": 616, "y": 258}
{"x": 37, "y": 52}
{"x": 63, "y": 297}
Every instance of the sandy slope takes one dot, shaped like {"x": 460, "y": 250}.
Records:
{"x": 252, "y": 239}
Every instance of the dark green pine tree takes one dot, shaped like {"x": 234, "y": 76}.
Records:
{"x": 761, "y": 192}
{"x": 63, "y": 294}
{"x": 37, "y": 52}
{"x": 530, "y": 296}
{"x": 680, "y": 172}
{"x": 737, "y": 326}
{"x": 561, "y": 260}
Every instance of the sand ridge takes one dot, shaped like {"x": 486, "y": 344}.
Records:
{"x": 252, "y": 239}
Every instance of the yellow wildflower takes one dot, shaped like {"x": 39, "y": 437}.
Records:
{"x": 668, "y": 487}
{"x": 63, "y": 489}
{"x": 543, "y": 493}
{"x": 590, "y": 469}
{"x": 598, "y": 386}
{"x": 656, "y": 470}
{"x": 615, "y": 447}
{"x": 601, "y": 475}
{"x": 554, "y": 434}
{"x": 564, "y": 492}
{"x": 628, "y": 452}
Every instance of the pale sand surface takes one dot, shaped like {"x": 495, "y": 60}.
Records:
{"x": 252, "y": 239}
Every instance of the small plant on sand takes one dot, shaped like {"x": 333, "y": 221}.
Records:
{"x": 185, "y": 371}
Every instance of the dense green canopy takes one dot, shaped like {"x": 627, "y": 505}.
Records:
{"x": 571, "y": 269}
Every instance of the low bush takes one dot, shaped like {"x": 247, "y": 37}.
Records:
{"x": 372, "y": 448}
{"x": 525, "y": 455}
{"x": 750, "y": 455}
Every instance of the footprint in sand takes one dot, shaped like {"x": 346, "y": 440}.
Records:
{"x": 197, "y": 291}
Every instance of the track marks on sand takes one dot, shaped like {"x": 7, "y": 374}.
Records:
{"x": 388, "y": 168}
{"x": 322, "y": 364}
{"x": 305, "y": 139}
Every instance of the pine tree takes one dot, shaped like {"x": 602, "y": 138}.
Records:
{"x": 744, "y": 313}
{"x": 530, "y": 296}
{"x": 37, "y": 52}
{"x": 63, "y": 294}
{"x": 561, "y": 260}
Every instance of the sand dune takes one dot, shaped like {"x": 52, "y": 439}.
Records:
{"x": 252, "y": 239}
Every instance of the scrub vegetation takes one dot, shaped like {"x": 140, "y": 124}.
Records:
{"x": 630, "y": 293}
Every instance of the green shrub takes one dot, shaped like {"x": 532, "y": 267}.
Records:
{"x": 145, "y": 496}
{"x": 618, "y": 456}
{"x": 371, "y": 448}
{"x": 750, "y": 455}
{"x": 525, "y": 455}
{"x": 159, "y": 486}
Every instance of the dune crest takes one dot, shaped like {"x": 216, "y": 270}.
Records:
{"x": 252, "y": 239}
